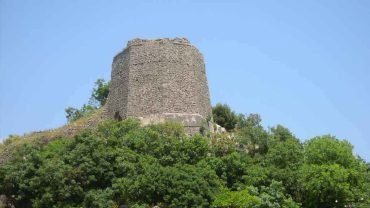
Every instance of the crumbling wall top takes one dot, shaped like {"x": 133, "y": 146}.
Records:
{"x": 150, "y": 42}
{"x": 138, "y": 41}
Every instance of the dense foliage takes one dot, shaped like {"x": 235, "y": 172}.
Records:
{"x": 122, "y": 163}
{"x": 224, "y": 116}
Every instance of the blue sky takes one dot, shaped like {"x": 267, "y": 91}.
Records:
{"x": 302, "y": 64}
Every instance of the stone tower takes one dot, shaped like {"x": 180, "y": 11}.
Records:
{"x": 160, "y": 80}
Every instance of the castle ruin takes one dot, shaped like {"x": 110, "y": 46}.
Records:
{"x": 160, "y": 80}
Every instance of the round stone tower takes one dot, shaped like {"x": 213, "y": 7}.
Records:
{"x": 160, "y": 80}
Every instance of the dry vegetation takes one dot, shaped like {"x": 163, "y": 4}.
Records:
{"x": 11, "y": 144}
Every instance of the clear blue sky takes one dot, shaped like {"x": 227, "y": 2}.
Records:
{"x": 302, "y": 64}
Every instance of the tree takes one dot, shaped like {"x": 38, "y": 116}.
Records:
{"x": 284, "y": 159}
{"x": 100, "y": 93}
{"x": 224, "y": 116}
{"x": 274, "y": 196}
{"x": 252, "y": 137}
{"x": 329, "y": 150}
{"x": 323, "y": 184}
{"x": 331, "y": 172}
{"x": 285, "y": 151}
{"x": 232, "y": 168}
{"x": 98, "y": 98}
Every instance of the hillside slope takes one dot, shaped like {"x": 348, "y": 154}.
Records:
{"x": 43, "y": 137}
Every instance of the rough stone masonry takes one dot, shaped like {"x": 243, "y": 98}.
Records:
{"x": 160, "y": 80}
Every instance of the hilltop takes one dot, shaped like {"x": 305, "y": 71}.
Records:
{"x": 94, "y": 162}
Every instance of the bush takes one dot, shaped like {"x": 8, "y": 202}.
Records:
{"x": 73, "y": 114}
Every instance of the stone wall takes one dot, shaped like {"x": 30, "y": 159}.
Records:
{"x": 157, "y": 80}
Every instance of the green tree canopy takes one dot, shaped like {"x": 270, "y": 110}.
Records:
{"x": 124, "y": 163}
{"x": 252, "y": 136}
{"x": 100, "y": 92}
{"x": 329, "y": 150}
{"x": 224, "y": 116}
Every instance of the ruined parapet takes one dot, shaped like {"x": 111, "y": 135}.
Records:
{"x": 160, "y": 80}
